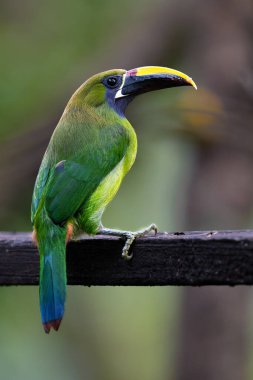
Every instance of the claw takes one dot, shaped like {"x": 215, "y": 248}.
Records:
{"x": 132, "y": 236}
{"x": 129, "y": 236}
{"x": 125, "y": 251}
{"x": 154, "y": 228}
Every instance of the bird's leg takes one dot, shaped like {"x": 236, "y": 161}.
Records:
{"x": 129, "y": 236}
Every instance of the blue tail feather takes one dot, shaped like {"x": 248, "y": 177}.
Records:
{"x": 52, "y": 290}
{"x": 53, "y": 278}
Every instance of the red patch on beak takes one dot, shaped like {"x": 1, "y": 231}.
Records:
{"x": 132, "y": 72}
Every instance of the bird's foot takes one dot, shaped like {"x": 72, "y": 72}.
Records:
{"x": 129, "y": 236}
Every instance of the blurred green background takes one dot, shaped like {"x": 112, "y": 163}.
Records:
{"x": 193, "y": 171}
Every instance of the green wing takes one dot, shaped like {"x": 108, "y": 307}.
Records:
{"x": 39, "y": 186}
{"x": 70, "y": 185}
{"x": 73, "y": 180}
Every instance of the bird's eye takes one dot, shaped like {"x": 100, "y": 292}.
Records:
{"x": 112, "y": 82}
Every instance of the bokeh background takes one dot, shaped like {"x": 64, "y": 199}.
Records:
{"x": 193, "y": 171}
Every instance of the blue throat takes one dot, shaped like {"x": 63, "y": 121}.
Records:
{"x": 118, "y": 105}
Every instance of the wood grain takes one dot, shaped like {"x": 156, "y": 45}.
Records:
{"x": 180, "y": 258}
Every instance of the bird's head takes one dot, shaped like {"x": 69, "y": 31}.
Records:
{"x": 118, "y": 87}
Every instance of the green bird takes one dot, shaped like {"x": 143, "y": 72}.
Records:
{"x": 91, "y": 150}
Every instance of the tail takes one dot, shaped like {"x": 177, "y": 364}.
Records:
{"x": 52, "y": 248}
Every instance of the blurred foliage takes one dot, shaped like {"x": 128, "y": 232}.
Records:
{"x": 107, "y": 333}
{"x": 43, "y": 45}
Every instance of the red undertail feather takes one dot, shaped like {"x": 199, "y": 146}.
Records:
{"x": 52, "y": 324}
{"x": 70, "y": 229}
{"x": 34, "y": 237}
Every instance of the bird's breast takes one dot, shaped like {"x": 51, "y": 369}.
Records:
{"x": 131, "y": 150}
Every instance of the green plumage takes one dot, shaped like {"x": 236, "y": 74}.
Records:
{"x": 90, "y": 142}
{"x": 90, "y": 152}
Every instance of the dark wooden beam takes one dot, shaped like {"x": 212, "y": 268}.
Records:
{"x": 186, "y": 258}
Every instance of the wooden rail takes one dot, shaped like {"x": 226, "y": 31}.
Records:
{"x": 180, "y": 258}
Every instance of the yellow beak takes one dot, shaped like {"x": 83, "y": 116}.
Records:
{"x": 163, "y": 71}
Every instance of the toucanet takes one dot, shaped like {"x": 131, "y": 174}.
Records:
{"x": 91, "y": 150}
